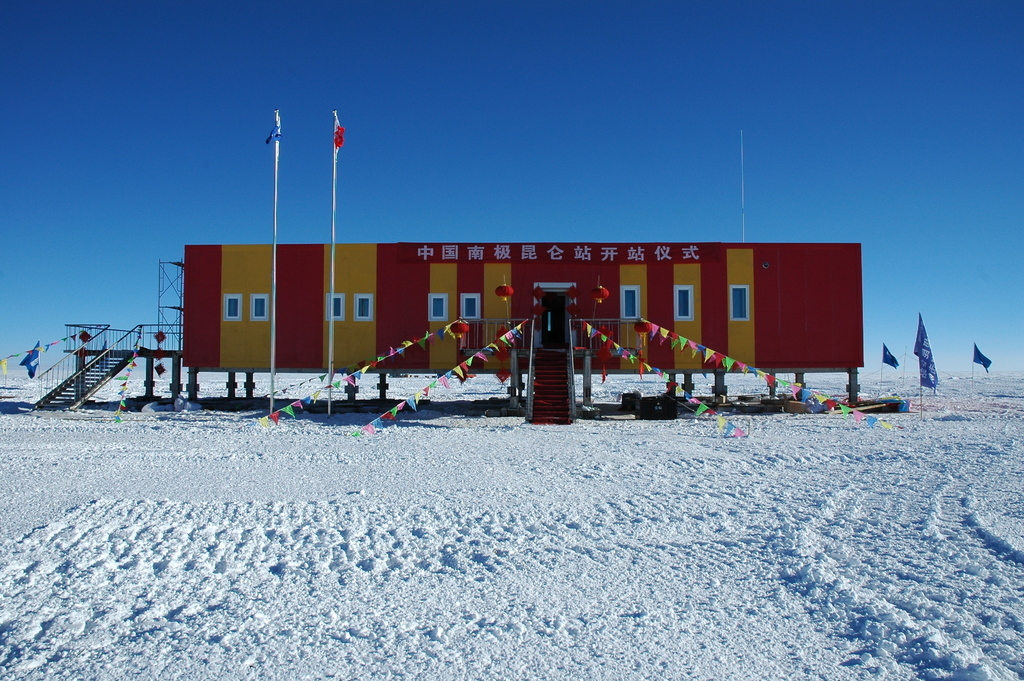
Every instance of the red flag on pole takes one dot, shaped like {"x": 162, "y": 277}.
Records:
{"x": 339, "y": 133}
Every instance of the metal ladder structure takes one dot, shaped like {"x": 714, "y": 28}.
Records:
{"x": 101, "y": 354}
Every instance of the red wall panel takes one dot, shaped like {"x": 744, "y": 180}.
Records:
{"x": 202, "y": 301}
{"x": 402, "y": 306}
{"x": 300, "y": 306}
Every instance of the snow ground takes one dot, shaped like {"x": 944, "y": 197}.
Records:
{"x": 199, "y": 545}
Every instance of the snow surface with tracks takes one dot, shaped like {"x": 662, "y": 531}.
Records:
{"x": 198, "y": 544}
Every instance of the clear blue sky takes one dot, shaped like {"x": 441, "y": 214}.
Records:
{"x": 132, "y": 129}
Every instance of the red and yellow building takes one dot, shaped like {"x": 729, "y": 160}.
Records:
{"x": 787, "y": 306}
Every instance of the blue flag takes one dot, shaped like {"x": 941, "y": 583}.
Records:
{"x": 981, "y": 359}
{"x": 923, "y": 350}
{"x": 889, "y": 358}
{"x": 31, "y": 361}
{"x": 275, "y": 134}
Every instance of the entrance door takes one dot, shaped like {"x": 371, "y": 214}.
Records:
{"x": 552, "y": 333}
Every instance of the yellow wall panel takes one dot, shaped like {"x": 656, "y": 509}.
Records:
{"x": 245, "y": 270}
{"x": 688, "y": 275}
{"x": 444, "y": 279}
{"x": 355, "y": 271}
{"x": 740, "y": 271}
{"x": 496, "y": 274}
{"x": 632, "y": 275}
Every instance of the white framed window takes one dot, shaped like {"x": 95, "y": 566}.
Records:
{"x": 630, "y": 302}
{"x": 469, "y": 303}
{"x": 334, "y": 309}
{"x": 683, "y": 297}
{"x": 362, "y": 307}
{"x": 259, "y": 307}
{"x": 232, "y": 307}
{"x": 739, "y": 303}
{"x": 437, "y": 307}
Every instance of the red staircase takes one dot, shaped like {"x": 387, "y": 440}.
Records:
{"x": 551, "y": 387}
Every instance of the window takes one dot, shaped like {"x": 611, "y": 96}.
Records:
{"x": 437, "y": 307}
{"x": 362, "y": 307}
{"x": 335, "y": 310}
{"x": 739, "y": 303}
{"x": 259, "y": 307}
{"x": 232, "y": 307}
{"x": 630, "y": 302}
{"x": 470, "y": 305}
{"x": 684, "y": 303}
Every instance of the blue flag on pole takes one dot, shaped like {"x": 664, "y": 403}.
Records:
{"x": 923, "y": 350}
{"x": 275, "y": 134}
{"x": 31, "y": 361}
{"x": 981, "y": 359}
{"x": 889, "y": 358}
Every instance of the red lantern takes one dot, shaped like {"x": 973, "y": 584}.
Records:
{"x": 459, "y": 328}
{"x": 504, "y": 291}
{"x": 642, "y": 327}
{"x": 599, "y": 294}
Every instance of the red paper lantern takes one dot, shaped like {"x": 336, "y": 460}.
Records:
{"x": 459, "y": 328}
{"x": 599, "y": 294}
{"x": 504, "y": 291}
{"x": 642, "y": 327}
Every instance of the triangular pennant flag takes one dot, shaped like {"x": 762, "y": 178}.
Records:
{"x": 265, "y": 422}
{"x": 288, "y": 410}
{"x": 845, "y": 409}
{"x": 412, "y": 403}
{"x": 701, "y": 408}
{"x": 871, "y": 421}
{"x": 275, "y": 417}
{"x": 388, "y": 415}
{"x": 858, "y": 415}
{"x": 369, "y": 429}
{"x": 795, "y": 389}
{"x": 721, "y": 423}
{"x": 886, "y": 425}
{"x": 728, "y": 362}
{"x": 738, "y": 432}
{"x": 480, "y": 355}
{"x": 708, "y": 354}
{"x": 444, "y": 381}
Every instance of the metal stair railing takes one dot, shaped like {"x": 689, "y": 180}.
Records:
{"x": 76, "y": 350}
{"x": 529, "y": 377}
{"x": 571, "y": 371}
{"x": 86, "y": 369}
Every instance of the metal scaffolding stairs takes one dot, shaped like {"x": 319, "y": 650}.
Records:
{"x": 81, "y": 374}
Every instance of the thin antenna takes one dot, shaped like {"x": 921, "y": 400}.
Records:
{"x": 743, "y": 200}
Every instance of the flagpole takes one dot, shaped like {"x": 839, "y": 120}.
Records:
{"x": 330, "y": 304}
{"x": 743, "y": 200}
{"x": 273, "y": 266}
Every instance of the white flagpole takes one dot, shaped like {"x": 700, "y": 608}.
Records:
{"x": 273, "y": 266}
{"x": 330, "y": 305}
{"x": 743, "y": 201}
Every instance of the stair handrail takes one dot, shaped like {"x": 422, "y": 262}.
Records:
{"x": 571, "y": 370}
{"x": 76, "y": 363}
{"x": 529, "y": 374}
{"x": 76, "y": 349}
